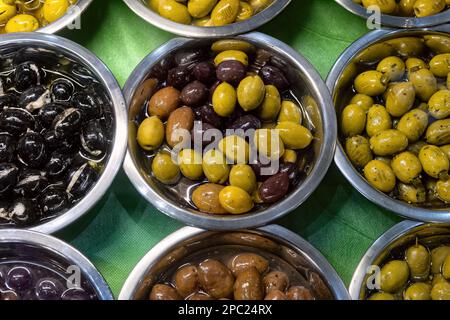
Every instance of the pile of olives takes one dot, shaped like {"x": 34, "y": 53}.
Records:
{"x": 396, "y": 127}
{"x": 408, "y": 8}
{"x": 208, "y": 13}
{"x": 53, "y": 139}
{"x": 30, "y": 15}
{"x": 419, "y": 273}
{"x": 230, "y": 86}
{"x": 245, "y": 276}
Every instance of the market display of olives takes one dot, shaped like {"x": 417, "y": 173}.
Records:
{"x": 30, "y": 15}
{"x": 222, "y": 129}
{"x": 394, "y": 124}
{"x": 54, "y": 138}
{"x": 208, "y": 13}
{"x": 407, "y": 8}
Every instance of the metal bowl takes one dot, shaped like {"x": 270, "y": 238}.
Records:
{"x": 398, "y": 237}
{"x": 53, "y": 47}
{"x": 339, "y": 80}
{"x": 396, "y": 21}
{"x": 309, "y": 87}
{"x": 180, "y": 245}
{"x": 20, "y": 245}
{"x": 207, "y": 32}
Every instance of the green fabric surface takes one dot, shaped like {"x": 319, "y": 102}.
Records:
{"x": 122, "y": 227}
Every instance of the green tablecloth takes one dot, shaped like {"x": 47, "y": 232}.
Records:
{"x": 337, "y": 220}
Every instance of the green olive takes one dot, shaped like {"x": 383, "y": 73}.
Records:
{"x": 224, "y": 99}
{"x": 294, "y": 135}
{"x": 378, "y": 119}
{"x": 200, "y": 8}
{"x": 7, "y": 11}
{"x": 206, "y": 198}
{"x": 406, "y": 167}
{"x": 290, "y": 111}
{"x": 385, "y": 6}
{"x": 22, "y": 23}
{"x": 439, "y": 104}
{"x": 358, "y": 150}
{"x": 243, "y": 176}
{"x": 164, "y": 169}
{"x": 259, "y": 5}
{"x": 175, "y": 11}
{"x": 52, "y": 10}
{"x": 227, "y": 55}
{"x": 430, "y": 186}
{"x": 372, "y": 83}
{"x": 425, "y": 8}
{"x": 443, "y": 190}
{"x": 245, "y": 11}
{"x": 386, "y": 160}
{"x": 438, "y": 256}
{"x": 269, "y": 143}
{"x": 271, "y": 105}
{"x": 438, "y": 132}
{"x": 393, "y": 67}
{"x": 408, "y": 46}
{"x": 434, "y": 161}
{"x": 388, "y": 142}
{"x": 251, "y": 92}
{"x": 406, "y": 8}
{"x": 150, "y": 134}
{"x": 353, "y": 120}
{"x": 413, "y": 124}
{"x": 190, "y": 162}
{"x": 414, "y": 64}
{"x": 446, "y": 267}
{"x": 441, "y": 291}
{"x": 424, "y": 83}
{"x": 235, "y": 200}
{"x": 437, "y": 278}
{"x": 215, "y": 166}
{"x": 235, "y": 149}
{"x": 400, "y": 99}
{"x": 440, "y": 65}
{"x": 380, "y": 175}
{"x": 225, "y": 12}
{"x": 362, "y": 100}
{"x": 374, "y": 53}
{"x": 381, "y": 296}
{"x": 412, "y": 193}
{"x": 437, "y": 43}
{"x": 289, "y": 156}
{"x": 418, "y": 291}
{"x": 418, "y": 259}
{"x": 233, "y": 44}
{"x": 393, "y": 276}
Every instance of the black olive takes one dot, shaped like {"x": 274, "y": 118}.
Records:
{"x": 178, "y": 77}
{"x": 16, "y": 120}
{"x": 24, "y": 212}
{"x": 49, "y": 112}
{"x": 30, "y": 183}
{"x": 8, "y": 100}
{"x": 161, "y": 68}
{"x": 58, "y": 164}
{"x": 31, "y": 150}
{"x": 87, "y": 104}
{"x": 53, "y": 200}
{"x": 8, "y": 177}
{"x": 7, "y": 147}
{"x": 27, "y": 74}
{"x": 34, "y": 98}
{"x": 62, "y": 90}
{"x": 52, "y": 142}
{"x": 93, "y": 139}
{"x": 80, "y": 181}
{"x": 68, "y": 123}
{"x": 190, "y": 56}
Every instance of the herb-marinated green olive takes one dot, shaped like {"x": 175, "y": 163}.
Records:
{"x": 206, "y": 198}
{"x": 438, "y": 43}
{"x": 225, "y": 12}
{"x": 215, "y": 166}
{"x": 175, "y": 11}
{"x": 393, "y": 276}
{"x": 358, "y": 150}
{"x": 408, "y": 46}
{"x": 235, "y": 200}
{"x": 386, "y": 160}
{"x": 438, "y": 256}
{"x": 380, "y": 175}
{"x": 243, "y": 176}
{"x": 411, "y": 193}
{"x": 294, "y": 135}
{"x": 393, "y": 67}
{"x": 413, "y": 124}
{"x": 414, "y": 64}
{"x": 439, "y": 104}
{"x": 251, "y": 92}
{"x": 406, "y": 167}
{"x": 150, "y": 134}
{"x": 290, "y": 111}
{"x": 443, "y": 190}
{"x": 362, "y": 100}
{"x": 438, "y": 133}
{"x": 425, "y": 8}
{"x": 247, "y": 260}
{"x": 434, "y": 161}
{"x": 164, "y": 169}
{"x": 190, "y": 162}
{"x": 388, "y": 142}
{"x": 235, "y": 149}
{"x": 381, "y": 296}
{"x": 271, "y": 105}
{"x": 440, "y": 65}
{"x": 424, "y": 83}
{"x": 400, "y": 99}
{"x": 378, "y": 119}
{"x": 406, "y": 8}
{"x": 441, "y": 291}
{"x": 236, "y": 55}
{"x": 224, "y": 99}
{"x": 418, "y": 259}
{"x": 385, "y": 6}
{"x": 418, "y": 291}
{"x": 446, "y": 268}
{"x": 371, "y": 83}
{"x": 353, "y": 120}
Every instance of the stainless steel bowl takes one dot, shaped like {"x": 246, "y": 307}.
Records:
{"x": 172, "y": 250}
{"x": 395, "y": 21}
{"x": 207, "y": 32}
{"x": 339, "y": 81}
{"x": 308, "y": 86}
{"x": 53, "y": 47}
{"x": 400, "y": 236}
{"x": 53, "y": 253}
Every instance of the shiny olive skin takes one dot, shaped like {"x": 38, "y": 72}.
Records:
{"x": 418, "y": 259}
{"x": 276, "y": 280}
{"x": 233, "y": 44}
{"x": 22, "y": 23}
{"x": 378, "y": 119}
{"x": 383, "y": 296}
{"x": 215, "y": 166}
{"x": 289, "y": 156}
{"x": 439, "y": 104}
{"x": 231, "y": 71}
{"x": 443, "y": 190}
{"x": 438, "y": 256}
{"x": 400, "y": 99}
{"x": 225, "y": 12}
{"x": 434, "y": 161}
{"x": 242, "y": 176}
{"x": 235, "y": 149}
{"x": 414, "y": 64}
{"x": 224, "y": 99}
{"x": 358, "y": 150}
{"x": 393, "y": 67}
{"x": 272, "y": 75}
{"x": 413, "y": 124}
{"x": 299, "y": 293}
{"x": 243, "y": 261}
{"x": 438, "y": 43}
{"x": 235, "y": 200}
{"x": 294, "y": 135}
{"x": 418, "y": 291}
{"x": 164, "y": 169}
{"x": 274, "y": 188}
{"x": 275, "y": 295}
{"x": 446, "y": 268}
{"x": 380, "y": 175}
{"x": 412, "y": 193}
{"x": 235, "y": 55}
{"x": 271, "y": 105}
{"x": 394, "y": 276}
{"x": 175, "y": 11}
{"x": 179, "y": 124}
{"x": 200, "y": 8}
{"x": 353, "y": 120}
{"x": 425, "y": 8}
{"x": 194, "y": 94}
{"x": 185, "y": 280}
{"x": 215, "y": 279}
{"x": 290, "y": 111}
{"x": 251, "y": 92}
{"x": 441, "y": 291}
{"x": 269, "y": 143}
{"x": 371, "y": 83}
{"x": 164, "y": 292}
{"x": 163, "y": 102}
{"x": 190, "y": 163}
{"x": 388, "y": 142}
{"x": 386, "y": 6}
{"x": 150, "y": 134}
{"x": 440, "y": 65}
{"x": 424, "y": 83}
{"x": 206, "y": 198}
{"x": 406, "y": 167}
{"x": 438, "y": 133}
{"x": 362, "y": 100}
{"x": 248, "y": 285}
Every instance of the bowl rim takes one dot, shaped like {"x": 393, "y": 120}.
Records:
{"x": 119, "y": 144}
{"x": 343, "y": 163}
{"x": 397, "y": 21}
{"x": 67, "y": 18}
{"x": 313, "y": 256}
{"x": 63, "y": 249}
{"x": 139, "y": 8}
{"x": 296, "y": 198}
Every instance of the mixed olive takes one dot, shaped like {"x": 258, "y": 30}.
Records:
{"x": 222, "y": 129}
{"x": 30, "y": 15}
{"x": 395, "y": 125}
{"x": 208, "y": 13}
{"x": 54, "y": 139}
{"x": 407, "y": 8}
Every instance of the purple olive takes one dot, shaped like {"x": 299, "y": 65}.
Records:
{"x": 231, "y": 71}
{"x": 204, "y": 72}
{"x": 274, "y": 188}
{"x": 194, "y": 94}
{"x": 246, "y": 122}
{"x": 274, "y": 76}
{"x": 178, "y": 77}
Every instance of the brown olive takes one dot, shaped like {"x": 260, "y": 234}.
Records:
{"x": 185, "y": 280}
{"x": 199, "y": 296}
{"x": 247, "y": 260}
{"x": 215, "y": 278}
{"x": 164, "y": 292}
{"x": 299, "y": 293}
{"x": 163, "y": 102}
{"x": 275, "y": 295}
{"x": 275, "y": 280}
{"x": 248, "y": 285}
{"x": 274, "y": 188}
{"x": 194, "y": 94}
